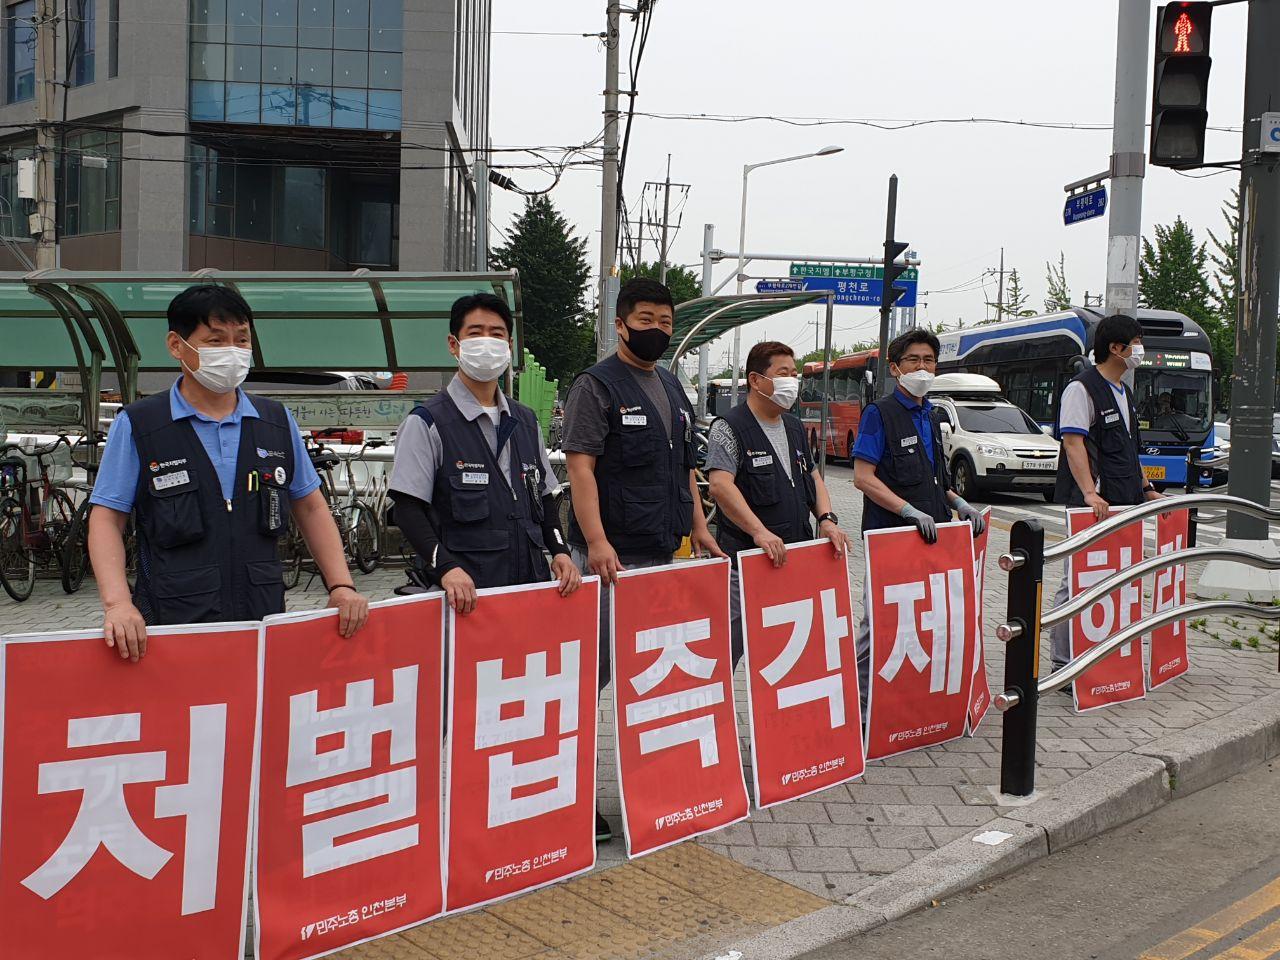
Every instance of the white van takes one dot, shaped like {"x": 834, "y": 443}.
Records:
{"x": 990, "y": 443}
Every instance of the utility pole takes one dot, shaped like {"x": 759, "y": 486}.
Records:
{"x": 1000, "y": 290}
{"x": 482, "y": 214}
{"x": 666, "y": 214}
{"x": 605, "y": 334}
{"x": 1253, "y": 380}
{"x": 46, "y": 98}
{"x": 1128, "y": 157}
{"x": 704, "y": 351}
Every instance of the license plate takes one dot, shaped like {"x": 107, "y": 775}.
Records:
{"x": 1038, "y": 465}
{"x": 1153, "y": 473}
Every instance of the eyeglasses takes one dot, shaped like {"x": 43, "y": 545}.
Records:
{"x": 914, "y": 362}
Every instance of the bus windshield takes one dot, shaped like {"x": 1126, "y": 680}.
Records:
{"x": 1174, "y": 401}
{"x": 995, "y": 418}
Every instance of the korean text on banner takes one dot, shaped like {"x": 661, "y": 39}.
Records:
{"x": 980, "y": 694}
{"x": 802, "y": 675}
{"x": 1169, "y": 655}
{"x": 678, "y": 763}
{"x": 125, "y": 822}
{"x": 348, "y": 840}
{"x": 1118, "y": 677}
{"x": 520, "y": 800}
{"x": 922, "y": 637}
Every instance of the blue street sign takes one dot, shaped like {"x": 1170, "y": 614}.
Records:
{"x": 1085, "y": 206}
{"x": 849, "y": 292}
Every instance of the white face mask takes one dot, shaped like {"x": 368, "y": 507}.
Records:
{"x": 221, "y": 369}
{"x": 917, "y": 382}
{"x": 1134, "y": 359}
{"x": 785, "y": 391}
{"x": 484, "y": 358}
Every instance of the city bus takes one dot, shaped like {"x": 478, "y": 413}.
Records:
{"x": 852, "y": 377}
{"x": 1034, "y": 358}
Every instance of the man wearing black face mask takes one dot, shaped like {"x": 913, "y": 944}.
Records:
{"x": 628, "y": 439}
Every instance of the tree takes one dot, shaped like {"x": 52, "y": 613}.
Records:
{"x": 813, "y": 356}
{"x": 1015, "y": 301}
{"x": 1225, "y": 294}
{"x": 683, "y": 283}
{"x": 1057, "y": 292}
{"x": 554, "y": 274}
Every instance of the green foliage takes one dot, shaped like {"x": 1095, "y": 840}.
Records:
{"x": 1014, "y": 304}
{"x": 815, "y": 355}
{"x": 554, "y": 275}
{"x": 682, "y": 282}
{"x": 1058, "y": 292}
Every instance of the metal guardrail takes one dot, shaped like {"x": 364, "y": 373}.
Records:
{"x": 1024, "y": 562}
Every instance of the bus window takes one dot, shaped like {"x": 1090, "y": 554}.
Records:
{"x": 1042, "y": 394}
{"x": 1017, "y": 388}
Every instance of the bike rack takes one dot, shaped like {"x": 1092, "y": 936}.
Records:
{"x": 1024, "y": 563}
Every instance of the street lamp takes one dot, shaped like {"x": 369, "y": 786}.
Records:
{"x": 742, "y": 240}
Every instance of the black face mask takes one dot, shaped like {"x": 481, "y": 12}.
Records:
{"x": 648, "y": 345}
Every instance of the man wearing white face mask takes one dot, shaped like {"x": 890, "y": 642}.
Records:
{"x": 211, "y": 477}
{"x": 472, "y": 483}
{"x": 761, "y": 472}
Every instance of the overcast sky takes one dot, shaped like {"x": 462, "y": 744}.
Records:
{"x": 965, "y": 190}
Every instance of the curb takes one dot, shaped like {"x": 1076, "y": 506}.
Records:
{"x": 1113, "y": 793}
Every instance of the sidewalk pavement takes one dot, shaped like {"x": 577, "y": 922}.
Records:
{"x": 857, "y": 854}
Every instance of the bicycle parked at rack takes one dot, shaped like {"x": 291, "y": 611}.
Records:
{"x": 38, "y": 530}
{"x": 357, "y": 524}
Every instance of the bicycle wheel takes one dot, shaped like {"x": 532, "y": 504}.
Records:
{"x": 74, "y": 556}
{"x": 362, "y": 536}
{"x": 290, "y": 549}
{"x": 57, "y": 514}
{"x": 17, "y": 561}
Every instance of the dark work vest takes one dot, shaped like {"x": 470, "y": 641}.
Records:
{"x": 782, "y": 502}
{"x": 1113, "y": 450}
{"x": 202, "y": 558}
{"x": 642, "y": 478}
{"x": 490, "y": 523}
{"x": 905, "y": 469}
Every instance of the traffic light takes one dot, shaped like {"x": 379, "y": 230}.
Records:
{"x": 1180, "y": 85}
{"x": 892, "y": 271}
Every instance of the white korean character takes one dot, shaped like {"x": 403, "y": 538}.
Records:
{"x": 535, "y": 690}
{"x": 799, "y": 614}
{"x": 944, "y": 620}
{"x": 672, "y": 643}
{"x": 1096, "y": 569}
{"x": 104, "y": 820}
{"x": 1171, "y": 584}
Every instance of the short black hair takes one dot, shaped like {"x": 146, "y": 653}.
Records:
{"x": 204, "y": 302}
{"x": 762, "y": 354}
{"x": 1117, "y": 328}
{"x": 639, "y": 290}
{"x": 478, "y": 301}
{"x": 898, "y": 345}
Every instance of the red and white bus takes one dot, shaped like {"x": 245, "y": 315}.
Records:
{"x": 850, "y": 390}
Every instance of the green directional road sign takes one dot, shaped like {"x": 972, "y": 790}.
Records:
{"x": 848, "y": 273}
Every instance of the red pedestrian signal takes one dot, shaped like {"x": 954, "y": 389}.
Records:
{"x": 1180, "y": 84}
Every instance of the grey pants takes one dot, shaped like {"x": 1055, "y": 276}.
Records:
{"x": 862, "y": 648}
{"x": 1060, "y": 633}
{"x": 579, "y": 557}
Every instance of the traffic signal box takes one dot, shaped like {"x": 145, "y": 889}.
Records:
{"x": 1180, "y": 86}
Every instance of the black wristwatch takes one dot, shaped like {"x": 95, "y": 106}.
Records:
{"x": 829, "y": 516}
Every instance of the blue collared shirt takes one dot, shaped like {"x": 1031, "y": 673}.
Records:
{"x": 869, "y": 443}
{"x": 117, "y": 482}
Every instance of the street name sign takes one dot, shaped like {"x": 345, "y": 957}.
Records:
{"x": 855, "y": 286}
{"x": 1085, "y": 206}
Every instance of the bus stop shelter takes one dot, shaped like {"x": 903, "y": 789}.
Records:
{"x": 91, "y": 323}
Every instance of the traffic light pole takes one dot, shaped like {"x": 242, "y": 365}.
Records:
{"x": 1128, "y": 158}
{"x": 1253, "y": 380}
{"x": 887, "y": 297}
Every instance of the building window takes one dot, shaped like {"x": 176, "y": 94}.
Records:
{"x": 255, "y": 200}
{"x": 113, "y": 38}
{"x": 20, "y": 51}
{"x": 317, "y": 63}
{"x": 90, "y": 180}
{"x": 84, "y": 41}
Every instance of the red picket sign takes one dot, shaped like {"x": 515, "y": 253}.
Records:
{"x": 919, "y": 695}
{"x": 802, "y": 674}
{"x": 679, "y": 770}
{"x": 521, "y": 793}
{"x": 348, "y": 839}
{"x": 127, "y": 791}
{"x": 980, "y": 694}
{"x": 1118, "y": 677}
{"x": 1169, "y": 655}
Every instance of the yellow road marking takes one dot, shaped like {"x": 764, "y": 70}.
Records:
{"x": 1261, "y": 946}
{"x": 1194, "y": 939}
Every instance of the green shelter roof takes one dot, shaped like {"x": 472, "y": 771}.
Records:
{"x": 703, "y": 320}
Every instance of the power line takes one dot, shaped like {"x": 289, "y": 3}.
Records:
{"x": 890, "y": 124}
{"x": 291, "y": 26}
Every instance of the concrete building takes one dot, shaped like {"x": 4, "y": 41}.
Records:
{"x": 254, "y": 134}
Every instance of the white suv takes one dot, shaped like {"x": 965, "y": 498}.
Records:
{"x": 990, "y": 443}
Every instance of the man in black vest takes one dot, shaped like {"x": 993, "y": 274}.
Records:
{"x": 1099, "y": 466}
{"x": 211, "y": 476}
{"x": 899, "y": 462}
{"x": 472, "y": 484}
{"x": 761, "y": 472}
{"x": 628, "y": 440}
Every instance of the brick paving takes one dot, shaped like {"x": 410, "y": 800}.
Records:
{"x": 839, "y": 841}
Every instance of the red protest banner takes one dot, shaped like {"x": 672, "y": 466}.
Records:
{"x": 802, "y": 675}
{"x": 678, "y": 765}
{"x": 348, "y": 839}
{"x": 1169, "y": 656}
{"x": 520, "y": 800}
{"x": 919, "y": 695}
{"x": 1118, "y": 677}
{"x": 980, "y": 693}
{"x": 125, "y": 824}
